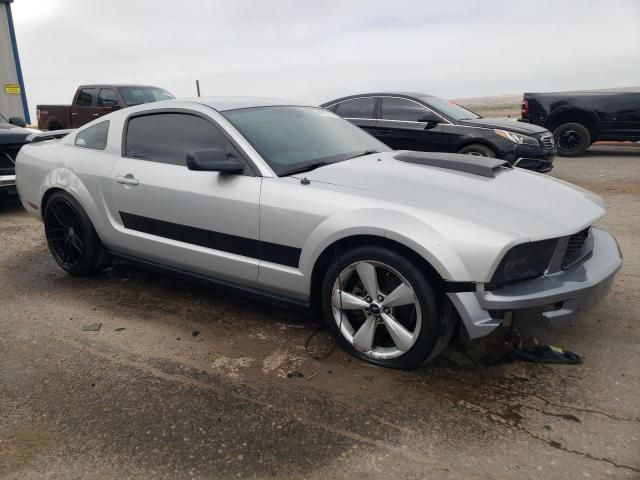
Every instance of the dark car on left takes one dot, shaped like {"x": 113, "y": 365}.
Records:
{"x": 421, "y": 122}
{"x": 13, "y": 135}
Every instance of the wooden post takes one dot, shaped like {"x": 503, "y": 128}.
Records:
{"x": 198, "y": 87}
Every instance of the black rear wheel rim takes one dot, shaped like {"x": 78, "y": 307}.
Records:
{"x": 65, "y": 235}
{"x": 569, "y": 140}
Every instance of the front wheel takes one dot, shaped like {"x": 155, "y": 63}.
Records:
{"x": 478, "y": 150}
{"x": 383, "y": 309}
{"x": 72, "y": 240}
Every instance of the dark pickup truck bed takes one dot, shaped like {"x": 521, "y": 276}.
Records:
{"x": 577, "y": 119}
{"x": 93, "y": 101}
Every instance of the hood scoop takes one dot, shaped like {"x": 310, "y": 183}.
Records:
{"x": 482, "y": 166}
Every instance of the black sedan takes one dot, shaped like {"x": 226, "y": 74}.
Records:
{"x": 415, "y": 121}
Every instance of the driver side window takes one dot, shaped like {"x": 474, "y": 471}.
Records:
{"x": 166, "y": 137}
{"x": 393, "y": 108}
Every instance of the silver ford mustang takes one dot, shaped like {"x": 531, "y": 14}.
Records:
{"x": 292, "y": 203}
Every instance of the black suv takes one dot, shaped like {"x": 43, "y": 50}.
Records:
{"x": 415, "y": 121}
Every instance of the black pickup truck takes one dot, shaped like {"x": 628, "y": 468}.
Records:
{"x": 577, "y": 119}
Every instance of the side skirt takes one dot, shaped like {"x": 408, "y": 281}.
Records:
{"x": 218, "y": 284}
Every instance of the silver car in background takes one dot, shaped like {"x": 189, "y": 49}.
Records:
{"x": 292, "y": 203}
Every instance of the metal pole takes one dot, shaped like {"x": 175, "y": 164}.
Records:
{"x": 198, "y": 87}
{"x": 16, "y": 58}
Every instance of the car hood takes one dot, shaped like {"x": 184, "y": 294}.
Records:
{"x": 514, "y": 201}
{"x": 11, "y": 134}
{"x": 505, "y": 124}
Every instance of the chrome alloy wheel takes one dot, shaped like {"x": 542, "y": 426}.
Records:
{"x": 376, "y": 309}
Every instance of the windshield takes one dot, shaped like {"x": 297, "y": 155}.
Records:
{"x": 291, "y": 138}
{"x": 138, "y": 95}
{"x": 450, "y": 109}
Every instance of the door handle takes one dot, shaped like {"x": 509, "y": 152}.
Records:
{"x": 127, "y": 180}
{"x": 95, "y": 114}
{"x": 74, "y": 113}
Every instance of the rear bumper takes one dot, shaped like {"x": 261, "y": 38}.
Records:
{"x": 559, "y": 297}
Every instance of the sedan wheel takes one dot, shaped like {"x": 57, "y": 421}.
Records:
{"x": 383, "y": 309}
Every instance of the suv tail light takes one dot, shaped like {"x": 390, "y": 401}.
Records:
{"x": 525, "y": 108}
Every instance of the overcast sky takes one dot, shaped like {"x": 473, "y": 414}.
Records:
{"x": 318, "y": 50}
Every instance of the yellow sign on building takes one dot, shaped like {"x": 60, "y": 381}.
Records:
{"x": 12, "y": 89}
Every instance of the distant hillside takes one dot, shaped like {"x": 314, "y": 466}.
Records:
{"x": 497, "y": 106}
{"x": 509, "y": 105}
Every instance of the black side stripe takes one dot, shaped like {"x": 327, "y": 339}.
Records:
{"x": 248, "y": 247}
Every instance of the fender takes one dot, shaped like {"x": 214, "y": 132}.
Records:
{"x": 64, "y": 179}
{"x": 410, "y": 231}
{"x": 553, "y": 114}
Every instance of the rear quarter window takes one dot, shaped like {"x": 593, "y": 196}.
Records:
{"x": 94, "y": 137}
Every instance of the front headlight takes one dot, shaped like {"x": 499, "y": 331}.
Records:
{"x": 517, "y": 138}
{"x": 524, "y": 261}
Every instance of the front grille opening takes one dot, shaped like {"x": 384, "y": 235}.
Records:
{"x": 548, "y": 142}
{"x": 575, "y": 247}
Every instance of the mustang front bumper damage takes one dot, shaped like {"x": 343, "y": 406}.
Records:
{"x": 559, "y": 297}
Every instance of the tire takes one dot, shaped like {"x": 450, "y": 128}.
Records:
{"x": 424, "y": 317}
{"x": 572, "y": 139}
{"x": 72, "y": 240}
{"x": 479, "y": 150}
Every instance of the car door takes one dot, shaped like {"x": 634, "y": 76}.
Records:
{"x": 359, "y": 111}
{"x": 405, "y": 124}
{"x": 84, "y": 108}
{"x": 619, "y": 114}
{"x": 200, "y": 221}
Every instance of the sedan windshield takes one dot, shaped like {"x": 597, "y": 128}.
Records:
{"x": 138, "y": 95}
{"x": 293, "y": 139}
{"x": 450, "y": 109}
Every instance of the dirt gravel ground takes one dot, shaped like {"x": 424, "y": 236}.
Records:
{"x": 148, "y": 397}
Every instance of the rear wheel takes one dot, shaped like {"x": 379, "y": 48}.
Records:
{"x": 71, "y": 238}
{"x": 478, "y": 150}
{"x": 383, "y": 309}
{"x": 572, "y": 139}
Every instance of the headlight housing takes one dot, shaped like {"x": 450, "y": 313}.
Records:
{"x": 524, "y": 261}
{"x": 517, "y": 138}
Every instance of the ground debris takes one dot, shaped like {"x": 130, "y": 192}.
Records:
{"x": 94, "y": 327}
{"x": 295, "y": 374}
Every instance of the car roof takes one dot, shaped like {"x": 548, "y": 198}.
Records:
{"x": 234, "y": 103}
{"x": 116, "y": 85}
{"x": 411, "y": 95}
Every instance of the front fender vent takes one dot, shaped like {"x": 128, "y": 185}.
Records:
{"x": 482, "y": 166}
